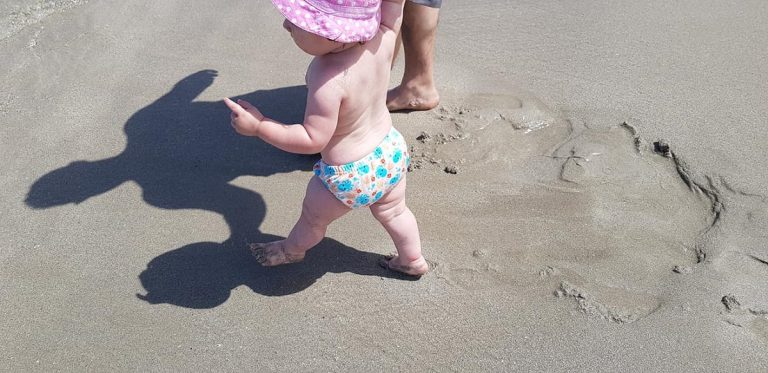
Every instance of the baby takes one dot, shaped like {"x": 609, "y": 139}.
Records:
{"x": 364, "y": 159}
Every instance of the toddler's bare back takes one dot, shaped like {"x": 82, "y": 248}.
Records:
{"x": 362, "y": 74}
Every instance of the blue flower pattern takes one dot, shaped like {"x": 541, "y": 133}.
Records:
{"x": 345, "y": 185}
{"x": 363, "y": 199}
{"x": 381, "y": 171}
{"x": 397, "y": 156}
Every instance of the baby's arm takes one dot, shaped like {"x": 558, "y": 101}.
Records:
{"x": 321, "y": 117}
{"x": 392, "y": 14}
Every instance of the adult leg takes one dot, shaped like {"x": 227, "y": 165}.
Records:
{"x": 401, "y": 225}
{"x": 319, "y": 209}
{"x": 417, "y": 89}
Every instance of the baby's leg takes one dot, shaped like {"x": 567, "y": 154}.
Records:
{"x": 319, "y": 209}
{"x": 400, "y": 223}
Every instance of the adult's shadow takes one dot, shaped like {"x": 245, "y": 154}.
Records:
{"x": 183, "y": 154}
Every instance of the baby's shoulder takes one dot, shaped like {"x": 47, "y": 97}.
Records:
{"x": 325, "y": 73}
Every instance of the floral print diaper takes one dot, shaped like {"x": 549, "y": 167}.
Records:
{"x": 362, "y": 183}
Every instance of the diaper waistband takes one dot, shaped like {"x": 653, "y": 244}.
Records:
{"x": 393, "y": 134}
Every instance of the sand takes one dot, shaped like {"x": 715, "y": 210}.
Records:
{"x": 590, "y": 191}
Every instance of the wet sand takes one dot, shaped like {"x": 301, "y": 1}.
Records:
{"x": 591, "y": 191}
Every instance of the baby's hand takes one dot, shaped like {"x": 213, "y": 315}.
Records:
{"x": 246, "y": 118}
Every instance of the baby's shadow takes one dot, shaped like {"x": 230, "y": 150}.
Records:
{"x": 183, "y": 153}
{"x": 203, "y": 274}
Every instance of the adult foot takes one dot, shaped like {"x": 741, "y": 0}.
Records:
{"x": 412, "y": 98}
{"x": 273, "y": 254}
{"x": 418, "y": 267}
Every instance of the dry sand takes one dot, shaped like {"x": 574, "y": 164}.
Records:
{"x": 591, "y": 190}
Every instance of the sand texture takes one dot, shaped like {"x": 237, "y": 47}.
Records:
{"x": 590, "y": 191}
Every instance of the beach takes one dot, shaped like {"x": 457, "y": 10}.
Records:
{"x": 590, "y": 193}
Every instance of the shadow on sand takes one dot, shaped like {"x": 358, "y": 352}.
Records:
{"x": 183, "y": 153}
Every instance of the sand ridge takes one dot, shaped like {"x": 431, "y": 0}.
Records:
{"x": 635, "y": 204}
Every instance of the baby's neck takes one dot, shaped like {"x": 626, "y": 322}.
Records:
{"x": 344, "y": 47}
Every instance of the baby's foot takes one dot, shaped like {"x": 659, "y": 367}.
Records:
{"x": 273, "y": 254}
{"x": 413, "y": 98}
{"x": 418, "y": 267}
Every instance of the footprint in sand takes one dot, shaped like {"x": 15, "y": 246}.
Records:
{"x": 609, "y": 303}
{"x": 746, "y": 305}
{"x": 521, "y": 112}
{"x": 476, "y": 275}
{"x": 483, "y": 128}
{"x": 754, "y": 318}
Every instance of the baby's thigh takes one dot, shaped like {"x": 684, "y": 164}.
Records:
{"x": 392, "y": 202}
{"x": 320, "y": 206}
